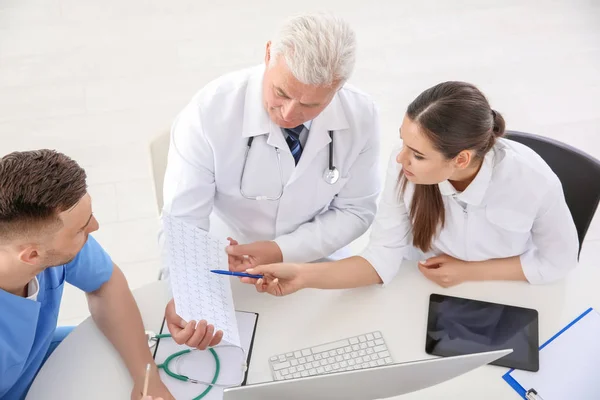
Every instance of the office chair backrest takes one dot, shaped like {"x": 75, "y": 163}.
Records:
{"x": 578, "y": 172}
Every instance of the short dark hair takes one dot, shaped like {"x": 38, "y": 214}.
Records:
{"x": 35, "y": 186}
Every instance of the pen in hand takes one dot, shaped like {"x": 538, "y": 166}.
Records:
{"x": 146, "y": 381}
{"x": 240, "y": 274}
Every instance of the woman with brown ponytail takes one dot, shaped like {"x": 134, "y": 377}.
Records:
{"x": 470, "y": 205}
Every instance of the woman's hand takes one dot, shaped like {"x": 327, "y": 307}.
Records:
{"x": 446, "y": 271}
{"x": 279, "y": 279}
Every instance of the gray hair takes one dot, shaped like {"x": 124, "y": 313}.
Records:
{"x": 319, "y": 49}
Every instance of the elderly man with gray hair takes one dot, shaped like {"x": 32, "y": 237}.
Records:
{"x": 285, "y": 154}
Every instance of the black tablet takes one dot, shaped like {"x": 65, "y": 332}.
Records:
{"x": 457, "y": 326}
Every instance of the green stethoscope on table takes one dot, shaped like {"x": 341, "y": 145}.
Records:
{"x": 153, "y": 339}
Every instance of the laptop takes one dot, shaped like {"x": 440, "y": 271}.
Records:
{"x": 392, "y": 380}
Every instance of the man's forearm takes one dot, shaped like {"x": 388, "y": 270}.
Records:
{"x": 343, "y": 274}
{"x": 116, "y": 314}
{"x": 327, "y": 233}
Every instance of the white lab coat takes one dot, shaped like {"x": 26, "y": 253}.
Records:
{"x": 312, "y": 219}
{"x": 515, "y": 206}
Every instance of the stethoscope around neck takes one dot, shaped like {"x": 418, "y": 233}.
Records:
{"x": 331, "y": 174}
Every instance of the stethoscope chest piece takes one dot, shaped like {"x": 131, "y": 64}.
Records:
{"x": 331, "y": 175}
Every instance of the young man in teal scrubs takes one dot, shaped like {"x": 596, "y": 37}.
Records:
{"x": 45, "y": 224}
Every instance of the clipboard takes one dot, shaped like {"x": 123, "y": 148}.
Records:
{"x": 245, "y": 334}
{"x": 532, "y": 393}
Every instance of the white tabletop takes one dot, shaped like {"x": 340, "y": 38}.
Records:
{"x": 86, "y": 366}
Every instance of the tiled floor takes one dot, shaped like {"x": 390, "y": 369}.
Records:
{"x": 97, "y": 80}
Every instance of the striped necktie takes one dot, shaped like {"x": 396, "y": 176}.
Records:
{"x": 293, "y": 140}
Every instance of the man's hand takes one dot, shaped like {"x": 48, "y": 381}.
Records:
{"x": 279, "y": 279}
{"x": 198, "y": 336}
{"x": 446, "y": 271}
{"x": 244, "y": 256}
{"x": 156, "y": 388}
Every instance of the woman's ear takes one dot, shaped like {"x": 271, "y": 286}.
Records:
{"x": 463, "y": 159}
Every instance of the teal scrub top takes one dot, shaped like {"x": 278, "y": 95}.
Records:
{"x": 27, "y": 326}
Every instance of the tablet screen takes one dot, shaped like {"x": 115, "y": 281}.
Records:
{"x": 457, "y": 326}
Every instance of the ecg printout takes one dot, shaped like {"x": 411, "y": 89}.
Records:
{"x": 190, "y": 253}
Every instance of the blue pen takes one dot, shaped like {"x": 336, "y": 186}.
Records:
{"x": 241, "y": 274}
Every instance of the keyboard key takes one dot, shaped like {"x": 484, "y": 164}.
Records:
{"x": 388, "y": 360}
{"x": 339, "y": 358}
{"x": 304, "y": 374}
{"x": 321, "y": 370}
{"x": 301, "y": 368}
{"x": 330, "y": 360}
{"x": 323, "y": 362}
{"x": 371, "y": 343}
{"x": 284, "y": 372}
{"x": 278, "y": 376}
{"x": 372, "y": 363}
{"x": 363, "y": 346}
{"x": 374, "y": 356}
{"x": 377, "y": 335}
{"x": 310, "y": 359}
{"x": 362, "y": 352}
{"x": 332, "y": 353}
{"x": 289, "y": 355}
{"x": 347, "y": 357}
{"x": 297, "y": 354}
{"x": 274, "y": 358}
{"x": 379, "y": 348}
{"x": 354, "y": 354}
{"x": 302, "y": 360}
{"x": 340, "y": 351}
{"x": 378, "y": 341}
{"x": 282, "y": 358}
{"x": 370, "y": 336}
{"x": 297, "y": 375}
{"x": 380, "y": 362}
{"x": 315, "y": 364}
{"x": 359, "y": 360}
{"x": 312, "y": 372}
{"x": 294, "y": 362}
{"x": 336, "y": 366}
{"x": 365, "y": 365}
{"x": 278, "y": 366}
{"x": 318, "y": 357}
{"x": 343, "y": 364}
{"x": 328, "y": 368}
{"x": 367, "y": 358}
{"x": 348, "y": 349}
{"x": 351, "y": 362}
{"x": 306, "y": 352}
{"x": 288, "y": 377}
{"x": 354, "y": 341}
{"x": 330, "y": 346}
{"x": 293, "y": 370}
{"x": 362, "y": 338}
{"x": 370, "y": 351}
{"x": 384, "y": 354}
{"x": 355, "y": 347}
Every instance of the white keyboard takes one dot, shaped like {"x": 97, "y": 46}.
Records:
{"x": 357, "y": 352}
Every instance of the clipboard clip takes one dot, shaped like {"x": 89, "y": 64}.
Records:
{"x": 532, "y": 394}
